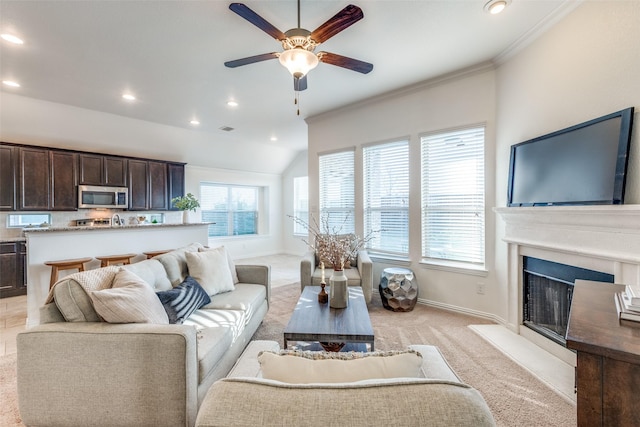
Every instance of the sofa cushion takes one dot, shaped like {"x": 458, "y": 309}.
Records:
{"x": 71, "y": 297}
{"x": 232, "y": 265}
{"x": 217, "y": 329}
{"x": 175, "y": 262}
{"x": 211, "y": 270}
{"x": 130, "y": 300}
{"x": 181, "y": 301}
{"x": 353, "y": 276}
{"x": 152, "y": 272}
{"x": 298, "y": 367}
{"x": 246, "y": 297}
{"x": 74, "y": 303}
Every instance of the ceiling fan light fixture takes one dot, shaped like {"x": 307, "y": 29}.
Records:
{"x": 298, "y": 61}
{"x": 496, "y": 6}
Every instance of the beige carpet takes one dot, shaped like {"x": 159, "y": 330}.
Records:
{"x": 516, "y": 397}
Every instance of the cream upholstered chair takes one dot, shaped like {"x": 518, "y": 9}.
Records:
{"x": 359, "y": 273}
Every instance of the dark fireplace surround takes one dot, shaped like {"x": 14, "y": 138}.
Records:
{"x": 547, "y": 292}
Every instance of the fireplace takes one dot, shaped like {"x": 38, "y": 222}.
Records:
{"x": 602, "y": 238}
{"x": 547, "y": 292}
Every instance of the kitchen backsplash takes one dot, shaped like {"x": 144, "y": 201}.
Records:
{"x": 67, "y": 219}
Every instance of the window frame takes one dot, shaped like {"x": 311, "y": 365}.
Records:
{"x": 401, "y": 149}
{"x": 302, "y": 214}
{"x": 471, "y": 259}
{"x": 230, "y": 211}
{"x": 341, "y": 218}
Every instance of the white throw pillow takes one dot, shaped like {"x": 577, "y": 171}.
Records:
{"x": 232, "y": 265}
{"x": 318, "y": 367}
{"x": 211, "y": 270}
{"x": 129, "y": 300}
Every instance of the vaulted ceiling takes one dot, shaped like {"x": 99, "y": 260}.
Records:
{"x": 171, "y": 55}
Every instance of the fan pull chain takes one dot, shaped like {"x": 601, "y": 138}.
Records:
{"x": 296, "y": 101}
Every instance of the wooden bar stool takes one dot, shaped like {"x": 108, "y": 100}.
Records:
{"x": 115, "y": 259}
{"x": 65, "y": 264}
{"x": 151, "y": 254}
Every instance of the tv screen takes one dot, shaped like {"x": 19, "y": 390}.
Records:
{"x": 585, "y": 164}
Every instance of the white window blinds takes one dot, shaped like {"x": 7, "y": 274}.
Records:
{"x": 300, "y": 203}
{"x": 337, "y": 199}
{"x": 386, "y": 197}
{"x": 453, "y": 195}
{"x": 233, "y": 210}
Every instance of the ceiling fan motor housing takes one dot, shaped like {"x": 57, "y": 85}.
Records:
{"x": 299, "y": 38}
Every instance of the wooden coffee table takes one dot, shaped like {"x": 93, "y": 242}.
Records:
{"x": 315, "y": 322}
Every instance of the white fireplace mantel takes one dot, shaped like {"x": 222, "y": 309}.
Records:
{"x": 604, "y": 238}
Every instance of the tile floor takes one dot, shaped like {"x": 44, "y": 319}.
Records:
{"x": 13, "y": 319}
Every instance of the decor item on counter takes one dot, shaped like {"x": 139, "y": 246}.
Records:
{"x": 185, "y": 204}
{"x": 142, "y": 219}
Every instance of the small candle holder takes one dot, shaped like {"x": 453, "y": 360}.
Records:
{"x": 323, "y": 297}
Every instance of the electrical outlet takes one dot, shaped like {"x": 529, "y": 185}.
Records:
{"x": 480, "y": 288}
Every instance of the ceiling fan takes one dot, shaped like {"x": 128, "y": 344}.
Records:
{"x": 298, "y": 44}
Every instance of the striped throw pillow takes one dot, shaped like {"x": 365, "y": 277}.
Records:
{"x": 183, "y": 300}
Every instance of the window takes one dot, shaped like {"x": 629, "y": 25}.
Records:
{"x": 232, "y": 209}
{"x": 337, "y": 191}
{"x": 453, "y": 195}
{"x": 386, "y": 197}
{"x": 300, "y": 203}
{"x": 28, "y": 220}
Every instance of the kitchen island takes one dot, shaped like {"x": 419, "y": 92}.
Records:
{"x": 57, "y": 243}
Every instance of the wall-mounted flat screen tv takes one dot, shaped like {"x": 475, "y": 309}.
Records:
{"x": 585, "y": 164}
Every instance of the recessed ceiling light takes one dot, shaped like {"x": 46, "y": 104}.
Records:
{"x": 273, "y": 139}
{"x": 232, "y": 103}
{"x": 194, "y": 122}
{"x": 10, "y": 83}
{"x": 12, "y": 39}
{"x": 129, "y": 97}
{"x": 496, "y": 6}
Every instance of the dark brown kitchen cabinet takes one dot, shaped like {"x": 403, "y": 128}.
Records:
{"x": 138, "y": 185}
{"x": 175, "y": 174}
{"x": 12, "y": 269}
{"x": 158, "y": 186}
{"x": 8, "y": 191}
{"x": 47, "y": 180}
{"x": 64, "y": 194}
{"x": 34, "y": 180}
{"x": 97, "y": 169}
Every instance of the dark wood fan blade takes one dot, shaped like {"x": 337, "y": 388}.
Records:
{"x": 345, "y": 62}
{"x": 341, "y": 21}
{"x": 300, "y": 84}
{"x": 257, "y": 20}
{"x": 251, "y": 60}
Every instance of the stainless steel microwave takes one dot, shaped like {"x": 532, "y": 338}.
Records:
{"x": 90, "y": 196}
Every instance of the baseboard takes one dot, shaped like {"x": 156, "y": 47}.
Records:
{"x": 463, "y": 310}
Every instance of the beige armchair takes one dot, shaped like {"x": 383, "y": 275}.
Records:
{"x": 360, "y": 274}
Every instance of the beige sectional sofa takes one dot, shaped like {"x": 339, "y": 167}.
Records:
{"x": 434, "y": 397}
{"x": 76, "y": 370}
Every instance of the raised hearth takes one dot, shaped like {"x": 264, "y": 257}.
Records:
{"x": 600, "y": 238}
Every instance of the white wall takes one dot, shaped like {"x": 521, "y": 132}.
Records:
{"x": 464, "y": 99}
{"x": 292, "y": 244}
{"x": 586, "y": 66}
{"x": 31, "y": 121}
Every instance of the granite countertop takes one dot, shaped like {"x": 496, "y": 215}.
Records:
{"x": 69, "y": 228}
{"x": 12, "y": 239}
